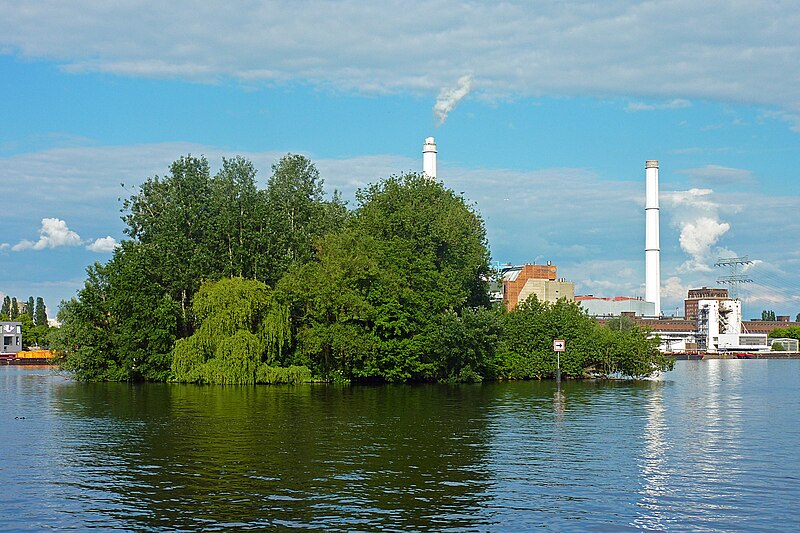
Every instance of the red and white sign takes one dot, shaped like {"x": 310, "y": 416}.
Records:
{"x": 559, "y": 345}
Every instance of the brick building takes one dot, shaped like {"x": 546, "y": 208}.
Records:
{"x": 520, "y": 282}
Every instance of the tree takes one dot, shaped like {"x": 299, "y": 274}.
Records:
{"x": 590, "y": 349}
{"x": 463, "y": 348}
{"x": 298, "y": 214}
{"x": 6, "y": 309}
{"x": 29, "y": 308}
{"x": 14, "y": 311}
{"x": 797, "y": 318}
{"x": 241, "y": 336}
{"x": 40, "y": 314}
{"x": 171, "y": 218}
{"x": 529, "y": 333}
{"x": 791, "y": 332}
{"x": 621, "y": 323}
{"x": 84, "y": 342}
{"x": 411, "y": 252}
{"x": 186, "y": 228}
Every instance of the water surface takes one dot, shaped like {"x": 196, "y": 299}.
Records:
{"x": 710, "y": 446}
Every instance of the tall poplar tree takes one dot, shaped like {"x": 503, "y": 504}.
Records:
{"x": 40, "y": 316}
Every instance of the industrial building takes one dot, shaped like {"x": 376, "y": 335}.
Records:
{"x": 617, "y": 306}
{"x": 703, "y": 293}
{"x": 520, "y": 282}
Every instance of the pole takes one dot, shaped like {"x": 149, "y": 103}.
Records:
{"x": 558, "y": 367}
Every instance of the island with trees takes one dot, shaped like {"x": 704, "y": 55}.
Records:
{"x": 220, "y": 281}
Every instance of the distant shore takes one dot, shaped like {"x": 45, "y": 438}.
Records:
{"x": 754, "y": 355}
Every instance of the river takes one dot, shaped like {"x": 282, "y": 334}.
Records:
{"x": 710, "y": 446}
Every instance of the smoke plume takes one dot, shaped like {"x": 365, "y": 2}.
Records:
{"x": 696, "y": 215}
{"x": 449, "y": 97}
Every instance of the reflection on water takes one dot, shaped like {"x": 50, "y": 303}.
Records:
{"x": 710, "y": 446}
{"x": 655, "y": 473}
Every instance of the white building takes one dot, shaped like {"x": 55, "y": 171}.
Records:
{"x": 719, "y": 329}
{"x": 12, "y": 337}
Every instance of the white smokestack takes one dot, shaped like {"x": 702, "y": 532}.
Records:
{"x": 652, "y": 249}
{"x": 429, "y": 158}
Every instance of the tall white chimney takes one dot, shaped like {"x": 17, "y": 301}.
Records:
{"x": 429, "y": 158}
{"x": 652, "y": 249}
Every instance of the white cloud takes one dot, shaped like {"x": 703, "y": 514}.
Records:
{"x": 449, "y": 97}
{"x": 674, "y": 289}
{"x": 675, "y": 51}
{"x": 54, "y": 233}
{"x": 719, "y": 175}
{"x": 103, "y": 245}
{"x": 793, "y": 118}
{"x": 675, "y": 103}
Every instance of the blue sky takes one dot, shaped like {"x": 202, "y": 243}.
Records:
{"x": 553, "y": 109}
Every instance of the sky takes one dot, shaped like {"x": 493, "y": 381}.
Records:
{"x": 544, "y": 114}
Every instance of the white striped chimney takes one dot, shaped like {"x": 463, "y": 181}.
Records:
{"x": 652, "y": 249}
{"x": 429, "y": 158}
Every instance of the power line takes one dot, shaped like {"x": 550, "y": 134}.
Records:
{"x": 735, "y": 279}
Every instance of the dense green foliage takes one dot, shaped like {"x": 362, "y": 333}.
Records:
{"x": 223, "y": 282}
{"x": 365, "y": 309}
{"x": 242, "y": 333}
{"x": 790, "y": 332}
{"x": 184, "y": 228}
{"x": 591, "y": 349}
{"x": 40, "y": 314}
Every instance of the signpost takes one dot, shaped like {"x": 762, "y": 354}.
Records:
{"x": 558, "y": 346}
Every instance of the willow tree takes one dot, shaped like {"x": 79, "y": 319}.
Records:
{"x": 240, "y": 339}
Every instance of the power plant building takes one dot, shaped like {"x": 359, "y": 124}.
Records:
{"x": 520, "y": 282}
{"x": 608, "y": 307}
{"x": 719, "y": 328}
{"x": 704, "y": 293}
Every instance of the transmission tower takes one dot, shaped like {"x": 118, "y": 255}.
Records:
{"x": 736, "y": 278}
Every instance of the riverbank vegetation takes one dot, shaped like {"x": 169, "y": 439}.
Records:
{"x": 223, "y": 282}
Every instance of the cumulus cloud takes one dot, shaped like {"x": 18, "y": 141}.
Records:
{"x": 674, "y": 289}
{"x": 449, "y": 97}
{"x": 54, "y": 233}
{"x": 103, "y": 245}
{"x": 514, "y": 48}
{"x": 675, "y": 103}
